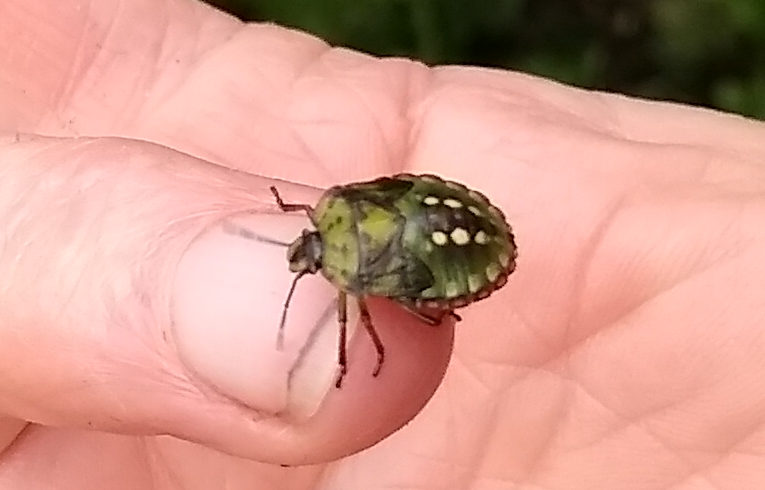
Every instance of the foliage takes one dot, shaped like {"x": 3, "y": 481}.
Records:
{"x": 706, "y": 52}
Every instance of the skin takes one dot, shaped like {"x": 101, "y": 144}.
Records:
{"x": 626, "y": 351}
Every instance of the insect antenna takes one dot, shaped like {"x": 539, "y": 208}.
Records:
{"x": 271, "y": 241}
{"x": 243, "y": 232}
{"x": 280, "y": 335}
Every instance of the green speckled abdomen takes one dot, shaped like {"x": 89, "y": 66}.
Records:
{"x": 418, "y": 239}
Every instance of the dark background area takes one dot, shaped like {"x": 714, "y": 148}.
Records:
{"x": 704, "y": 52}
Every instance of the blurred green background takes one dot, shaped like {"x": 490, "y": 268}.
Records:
{"x": 704, "y": 52}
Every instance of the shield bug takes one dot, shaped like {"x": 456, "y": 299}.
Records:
{"x": 429, "y": 244}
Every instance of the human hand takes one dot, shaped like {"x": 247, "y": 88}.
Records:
{"x": 624, "y": 350}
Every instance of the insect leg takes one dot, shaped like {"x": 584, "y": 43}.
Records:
{"x": 342, "y": 321}
{"x": 287, "y": 207}
{"x": 432, "y": 320}
{"x": 366, "y": 319}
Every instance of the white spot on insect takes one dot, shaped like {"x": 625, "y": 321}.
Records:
{"x": 475, "y": 282}
{"x": 475, "y": 210}
{"x": 452, "y": 203}
{"x": 504, "y": 259}
{"x": 454, "y": 185}
{"x": 428, "y": 247}
{"x": 460, "y": 236}
{"x": 431, "y": 200}
{"x": 492, "y": 271}
{"x": 452, "y": 289}
{"x": 477, "y": 196}
{"x": 439, "y": 238}
{"x": 481, "y": 238}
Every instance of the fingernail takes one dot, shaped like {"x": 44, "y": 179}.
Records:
{"x": 229, "y": 293}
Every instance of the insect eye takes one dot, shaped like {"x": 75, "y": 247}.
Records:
{"x": 295, "y": 252}
{"x": 304, "y": 254}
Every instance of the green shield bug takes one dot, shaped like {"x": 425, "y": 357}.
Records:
{"x": 429, "y": 244}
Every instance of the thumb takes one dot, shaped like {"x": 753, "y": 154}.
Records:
{"x": 140, "y": 293}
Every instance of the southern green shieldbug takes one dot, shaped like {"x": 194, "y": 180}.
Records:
{"x": 429, "y": 244}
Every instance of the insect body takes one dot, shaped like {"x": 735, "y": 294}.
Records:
{"x": 429, "y": 244}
